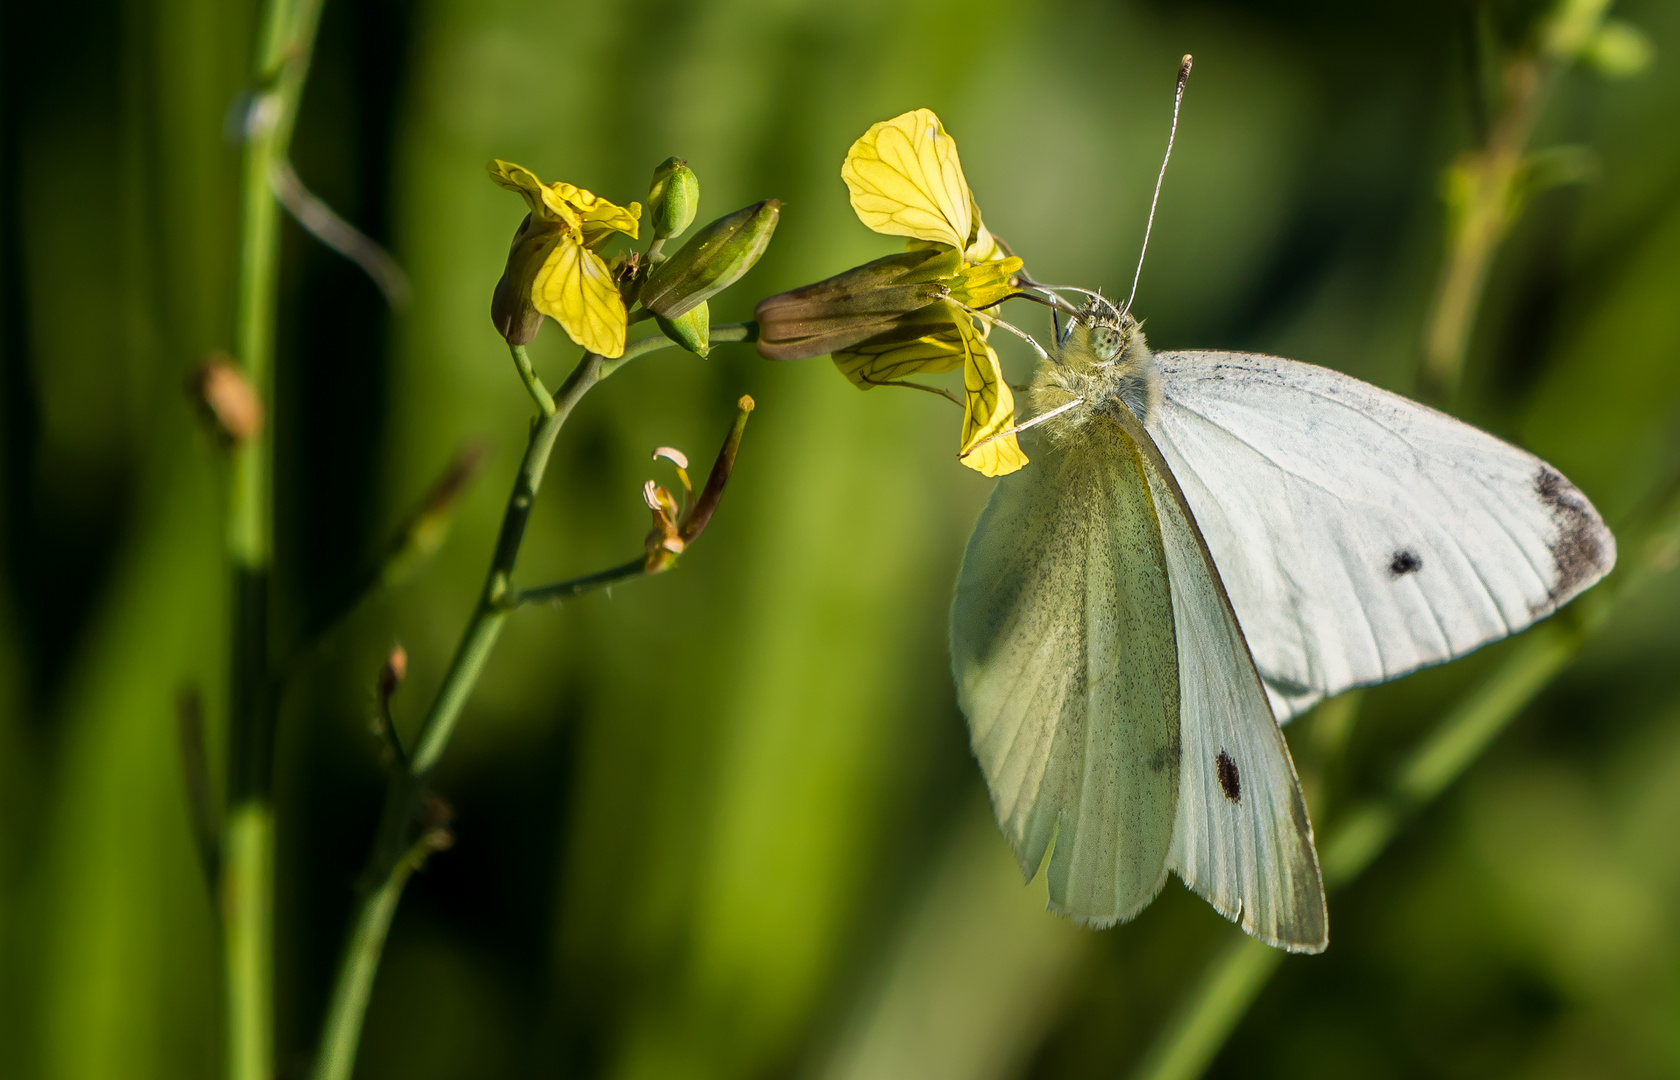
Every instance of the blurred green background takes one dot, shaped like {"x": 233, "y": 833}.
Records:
{"x": 724, "y": 823}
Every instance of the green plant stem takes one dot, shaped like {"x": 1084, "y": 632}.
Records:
{"x": 391, "y": 863}
{"x": 528, "y": 375}
{"x": 361, "y": 965}
{"x": 1366, "y": 830}
{"x": 578, "y": 586}
{"x": 1202, "y": 1023}
{"x": 247, "y": 858}
{"x": 741, "y": 332}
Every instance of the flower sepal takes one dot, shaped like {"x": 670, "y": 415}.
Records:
{"x": 854, "y": 306}
{"x": 691, "y": 329}
{"x": 512, "y": 309}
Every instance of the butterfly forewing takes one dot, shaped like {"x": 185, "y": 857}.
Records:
{"x": 1242, "y": 839}
{"x": 1066, "y": 666}
{"x": 1361, "y": 535}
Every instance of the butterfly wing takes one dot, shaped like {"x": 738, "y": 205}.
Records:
{"x": 1360, "y": 535}
{"x": 1241, "y": 839}
{"x": 1065, "y": 662}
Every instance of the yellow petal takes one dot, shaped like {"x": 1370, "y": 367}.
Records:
{"x": 600, "y": 218}
{"x": 984, "y": 247}
{"x": 543, "y": 202}
{"x": 904, "y": 350}
{"x": 576, "y": 290}
{"x": 568, "y": 204}
{"x": 905, "y": 180}
{"x": 990, "y": 408}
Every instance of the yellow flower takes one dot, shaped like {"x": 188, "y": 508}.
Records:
{"x": 556, "y": 253}
{"x": 906, "y": 180}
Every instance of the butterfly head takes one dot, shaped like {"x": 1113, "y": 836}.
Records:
{"x": 1101, "y": 357}
{"x": 1111, "y": 331}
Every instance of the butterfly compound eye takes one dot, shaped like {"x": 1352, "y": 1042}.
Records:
{"x": 1105, "y": 341}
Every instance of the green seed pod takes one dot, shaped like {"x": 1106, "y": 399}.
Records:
{"x": 691, "y": 330}
{"x": 673, "y": 198}
{"x": 712, "y": 260}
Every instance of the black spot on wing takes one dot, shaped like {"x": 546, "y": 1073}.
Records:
{"x": 1578, "y": 554}
{"x": 1404, "y": 562}
{"x": 1229, "y": 782}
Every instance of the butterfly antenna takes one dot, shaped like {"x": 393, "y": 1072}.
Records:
{"x": 1178, "y": 99}
{"x": 993, "y": 320}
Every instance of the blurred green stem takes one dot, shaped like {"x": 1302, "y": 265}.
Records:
{"x": 1482, "y": 205}
{"x": 394, "y": 852}
{"x": 1194, "y": 1033}
{"x": 281, "y": 65}
{"x": 1486, "y": 188}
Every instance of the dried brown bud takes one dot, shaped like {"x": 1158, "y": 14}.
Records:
{"x": 227, "y": 398}
{"x": 393, "y": 673}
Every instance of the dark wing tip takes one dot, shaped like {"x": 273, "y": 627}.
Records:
{"x": 1583, "y": 548}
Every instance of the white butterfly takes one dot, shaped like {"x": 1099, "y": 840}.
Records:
{"x": 1204, "y": 545}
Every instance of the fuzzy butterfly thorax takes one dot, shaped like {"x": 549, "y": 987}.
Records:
{"x": 1101, "y": 359}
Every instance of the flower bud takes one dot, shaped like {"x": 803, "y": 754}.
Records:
{"x": 855, "y": 305}
{"x": 712, "y": 260}
{"x": 512, "y": 311}
{"x": 673, "y": 198}
{"x": 691, "y": 330}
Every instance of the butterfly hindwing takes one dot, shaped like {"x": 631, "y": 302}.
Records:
{"x": 1242, "y": 839}
{"x": 1361, "y": 535}
{"x": 1066, "y": 666}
